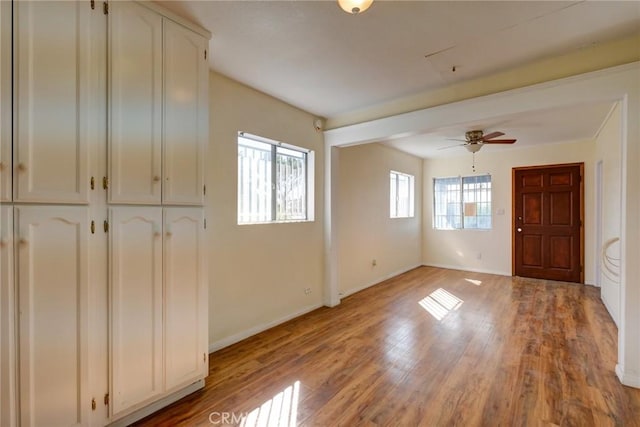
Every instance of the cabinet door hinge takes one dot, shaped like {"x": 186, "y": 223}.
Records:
{"x": 105, "y": 182}
{"x": 92, "y": 183}
{"x": 93, "y": 4}
{"x": 93, "y": 227}
{"x": 93, "y": 404}
{"x": 204, "y": 357}
{"x": 105, "y": 8}
{"x": 205, "y": 223}
{"x": 205, "y": 54}
{"x": 106, "y": 226}
{"x": 106, "y": 399}
{"x": 204, "y": 190}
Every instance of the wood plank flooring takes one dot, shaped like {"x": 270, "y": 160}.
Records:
{"x": 431, "y": 347}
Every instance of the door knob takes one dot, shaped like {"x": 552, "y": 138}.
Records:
{"x": 519, "y": 230}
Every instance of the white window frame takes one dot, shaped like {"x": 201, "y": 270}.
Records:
{"x": 458, "y": 203}
{"x": 394, "y": 198}
{"x": 270, "y": 217}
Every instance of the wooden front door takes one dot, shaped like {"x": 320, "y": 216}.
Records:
{"x": 547, "y": 222}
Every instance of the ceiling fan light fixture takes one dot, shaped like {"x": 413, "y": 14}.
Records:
{"x": 474, "y": 147}
{"x": 354, "y": 7}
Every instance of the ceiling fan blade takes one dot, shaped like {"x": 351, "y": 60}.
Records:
{"x": 451, "y": 146}
{"x": 492, "y": 135}
{"x": 501, "y": 141}
{"x": 456, "y": 139}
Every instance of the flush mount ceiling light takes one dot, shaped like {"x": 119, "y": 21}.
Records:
{"x": 355, "y": 6}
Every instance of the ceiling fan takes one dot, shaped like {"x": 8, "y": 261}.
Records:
{"x": 474, "y": 140}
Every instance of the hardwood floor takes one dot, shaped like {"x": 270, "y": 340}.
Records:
{"x": 431, "y": 347}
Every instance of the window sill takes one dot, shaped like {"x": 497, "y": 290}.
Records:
{"x": 297, "y": 221}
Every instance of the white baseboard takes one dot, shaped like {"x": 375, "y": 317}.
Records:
{"x": 345, "y": 294}
{"x": 227, "y": 341}
{"x": 626, "y": 378}
{"x": 473, "y": 270}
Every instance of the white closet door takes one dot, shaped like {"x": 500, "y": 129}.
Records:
{"x": 184, "y": 284}
{"x": 7, "y": 324}
{"x": 6, "y": 114}
{"x": 52, "y": 259}
{"x": 52, "y": 98}
{"x": 135, "y": 144}
{"x": 185, "y": 114}
{"x": 136, "y": 305}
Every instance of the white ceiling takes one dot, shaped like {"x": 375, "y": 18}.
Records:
{"x": 574, "y": 123}
{"x": 314, "y": 56}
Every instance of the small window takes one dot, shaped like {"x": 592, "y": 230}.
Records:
{"x": 462, "y": 202}
{"x": 401, "y": 195}
{"x": 273, "y": 181}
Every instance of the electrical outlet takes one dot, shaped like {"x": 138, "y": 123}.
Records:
{"x": 307, "y": 291}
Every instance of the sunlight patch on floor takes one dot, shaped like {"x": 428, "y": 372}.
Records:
{"x": 440, "y": 303}
{"x": 279, "y": 411}
{"x": 475, "y": 282}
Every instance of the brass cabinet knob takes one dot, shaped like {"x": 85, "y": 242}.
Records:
{"x": 156, "y": 178}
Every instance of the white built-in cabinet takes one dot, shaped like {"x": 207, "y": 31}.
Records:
{"x": 135, "y": 81}
{"x": 158, "y": 109}
{"x": 6, "y": 115}
{"x": 157, "y": 272}
{"x": 52, "y": 80}
{"x": 52, "y": 267}
{"x": 185, "y": 124}
{"x": 185, "y": 305}
{"x": 7, "y": 320}
{"x": 136, "y": 293}
{"x": 103, "y": 293}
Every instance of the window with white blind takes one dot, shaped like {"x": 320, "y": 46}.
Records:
{"x": 462, "y": 202}
{"x": 273, "y": 181}
{"x": 401, "y": 195}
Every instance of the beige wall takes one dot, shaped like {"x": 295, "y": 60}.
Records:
{"x": 490, "y": 250}
{"x": 257, "y": 273}
{"x": 365, "y": 231}
{"x": 607, "y": 150}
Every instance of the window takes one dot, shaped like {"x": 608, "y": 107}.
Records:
{"x": 273, "y": 181}
{"x": 400, "y": 195}
{"x": 462, "y": 202}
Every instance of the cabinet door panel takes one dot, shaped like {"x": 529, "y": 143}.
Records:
{"x": 136, "y": 305}
{"x": 184, "y": 292}
{"x": 53, "y": 297}
{"x": 6, "y": 114}
{"x": 135, "y": 62}
{"x": 51, "y": 81}
{"x": 185, "y": 115}
{"x": 7, "y": 324}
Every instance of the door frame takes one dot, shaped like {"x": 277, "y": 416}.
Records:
{"x": 513, "y": 211}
